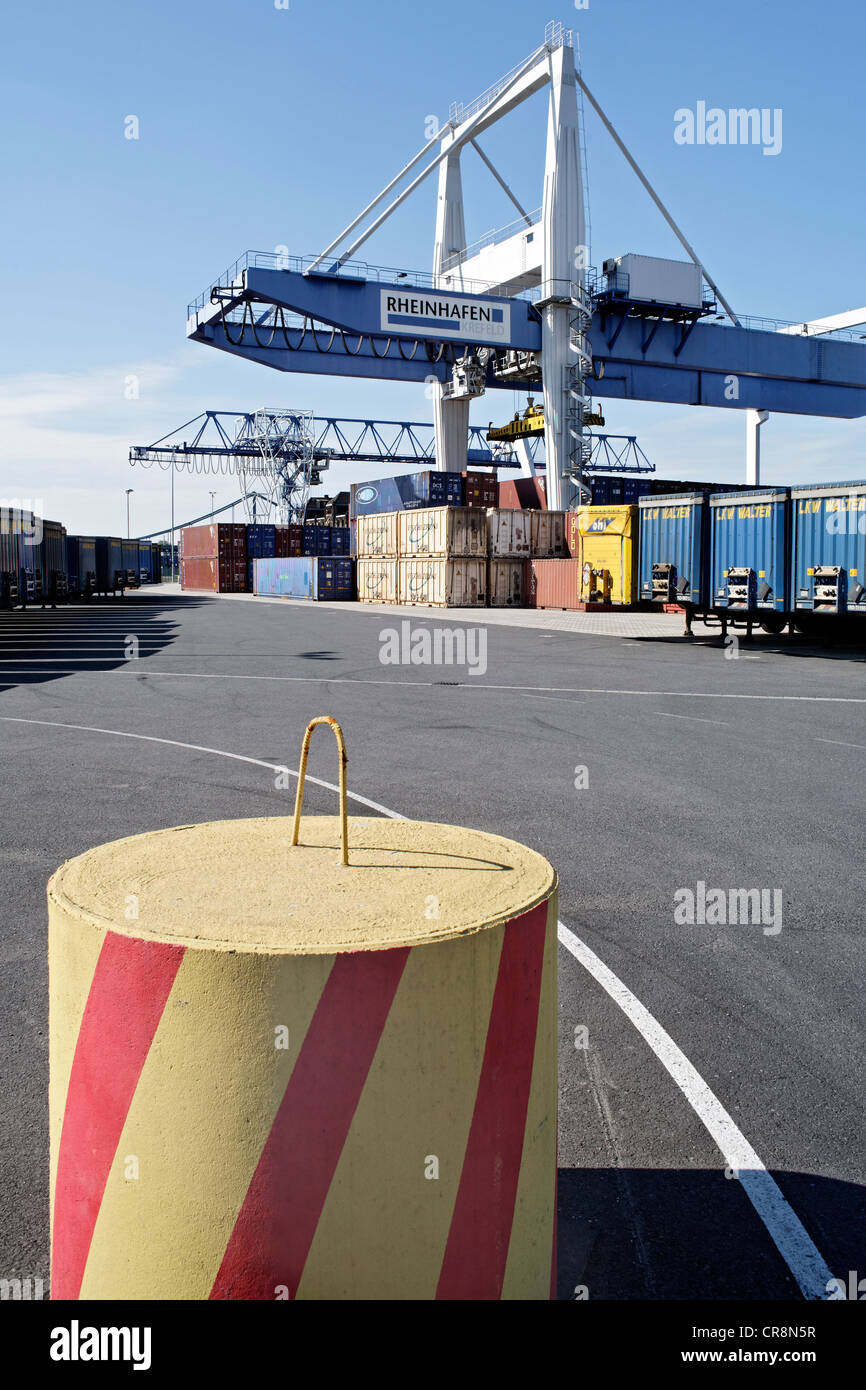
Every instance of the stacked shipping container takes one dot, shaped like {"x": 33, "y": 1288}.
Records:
{"x": 214, "y": 558}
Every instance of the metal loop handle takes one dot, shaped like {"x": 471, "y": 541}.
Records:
{"x": 302, "y": 772}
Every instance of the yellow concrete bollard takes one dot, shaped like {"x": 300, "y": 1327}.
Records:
{"x": 275, "y": 1076}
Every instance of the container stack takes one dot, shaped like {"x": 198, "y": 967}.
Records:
{"x": 214, "y": 558}
{"x": 318, "y": 564}
{"x": 442, "y": 557}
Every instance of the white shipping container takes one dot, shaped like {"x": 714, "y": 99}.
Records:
{"x": 509, "y": 532}
{"x": 377, "y": 580}
{"x": 442, "y": 531}
{"x": 376, "y": 534}
{"x": 505, "y": 583}
{"x": 457, "y": 583}
{"x": 548, "y": 534}
{"x": 654, "y": 279}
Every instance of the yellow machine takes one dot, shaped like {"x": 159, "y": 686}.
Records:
{"x": 531, "y": 422}
{"x": 608, "y": 554}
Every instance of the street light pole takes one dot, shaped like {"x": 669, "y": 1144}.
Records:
{"x": 128, "y": 491}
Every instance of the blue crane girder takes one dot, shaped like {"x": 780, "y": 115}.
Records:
{"x": 341, "y": 325}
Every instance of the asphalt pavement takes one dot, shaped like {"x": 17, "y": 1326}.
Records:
{"x": 642, "y": 767}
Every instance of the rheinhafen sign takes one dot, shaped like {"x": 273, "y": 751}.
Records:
{"x": 435, "y": 315}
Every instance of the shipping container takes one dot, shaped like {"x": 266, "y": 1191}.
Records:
{"x": 516, "y": 493}
{"x": 828, "y": 562}
{"x": 200, "y": 572}
{"x": 377, "y": 579}
{"x": 288, "y": 540}
{"x": 480, "y": 490}
{"x": 446, "y": 531}
{"x": 547, "y": 534}
{"x": 749, "y": 551}
{"x": 156, "y": 562}
{"x": 261, "y": 544}
{"x": 52, "y": 555}
{"x": 607, "y": 491}
{"x": 376, "y": 535}
{"x": 633, "y": 489}
{"x": 341, "y": 540}
{"x": 509, "y": 533}
{"x": 655, "y": 280}
{"x": 441, "y": 583}
{"x": 505, "y": 583}
{"x": 306, "y": 577}
{"x": 228, "y": 537}
{"x": 552, "y": 583}
{"x": 410, "y": 490}
{"x": 81, "y": 564}
{"x": 145, "y": 562}
{"x": 129, "y": 551}
{"x": 109, "y": 564}
{"x": 608, "y": 554}
{"x": 225, "y": 542}
{"x": 8, "y": 553}
{"x": 317, "y": 539}
{"x": 674, "y": 549}
{"x": 572, "y": 535}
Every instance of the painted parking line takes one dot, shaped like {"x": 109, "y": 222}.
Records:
{"x": 481, "y": 684}
{"x": 787, "y": 1232}
{"x": 692, "y": 718}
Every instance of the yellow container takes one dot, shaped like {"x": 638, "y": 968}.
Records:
{"x": 376, "y": 535}
{"x": 377, "y": 580}
{"x": 442, "y": 531}
{"x": 441, "y": 583}
{"x": 608, "y": 554}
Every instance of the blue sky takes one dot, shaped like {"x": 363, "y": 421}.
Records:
{"x": 262, "y": 127}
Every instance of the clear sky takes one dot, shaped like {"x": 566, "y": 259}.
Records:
{"x": 262, "y": 127}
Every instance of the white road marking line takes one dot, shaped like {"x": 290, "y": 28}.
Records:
{"x": 789, "y": 1235}
{"x": 480, "y": 684}
{"x": 837, "y": 744}
{"x": 201, "y": 748}
{"x": 787, "y": 1232}
{"x": 692, "y": 718}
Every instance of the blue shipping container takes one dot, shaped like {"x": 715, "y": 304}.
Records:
{"x": 341, "y": 540}
{"x": 427, "y": 489}
{"x": 317, "y": 539}
{"x": 309, "y": 577}
{"x": 80, "y": 562}
{"x": 109, "y": 562}
{"x": 828, "y": 564}
{"x": 674, "y": 538}
{"x": 261, "y": 544}
{"x": 750, "y": 547}
{"x": 52, "y": 551}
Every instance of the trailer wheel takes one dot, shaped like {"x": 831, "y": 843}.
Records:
{"x": 774, "y": 623}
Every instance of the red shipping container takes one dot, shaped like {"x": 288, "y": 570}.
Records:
{"x": 480, "y": 489}
{"x": 552, "y": 584}
{"x": 523, "y": 492}
{"x": 226, "y": 544}
{"x": 199, "y": 572}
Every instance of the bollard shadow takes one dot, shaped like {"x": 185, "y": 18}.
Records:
{"x": 47, "y": 644}
{"x": 670, "y": 1234}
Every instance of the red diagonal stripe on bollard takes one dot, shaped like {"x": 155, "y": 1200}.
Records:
{"x": 477, "y": 1248}
{"x": 277, "y": 1222}
{"x": 130, "y": 985}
